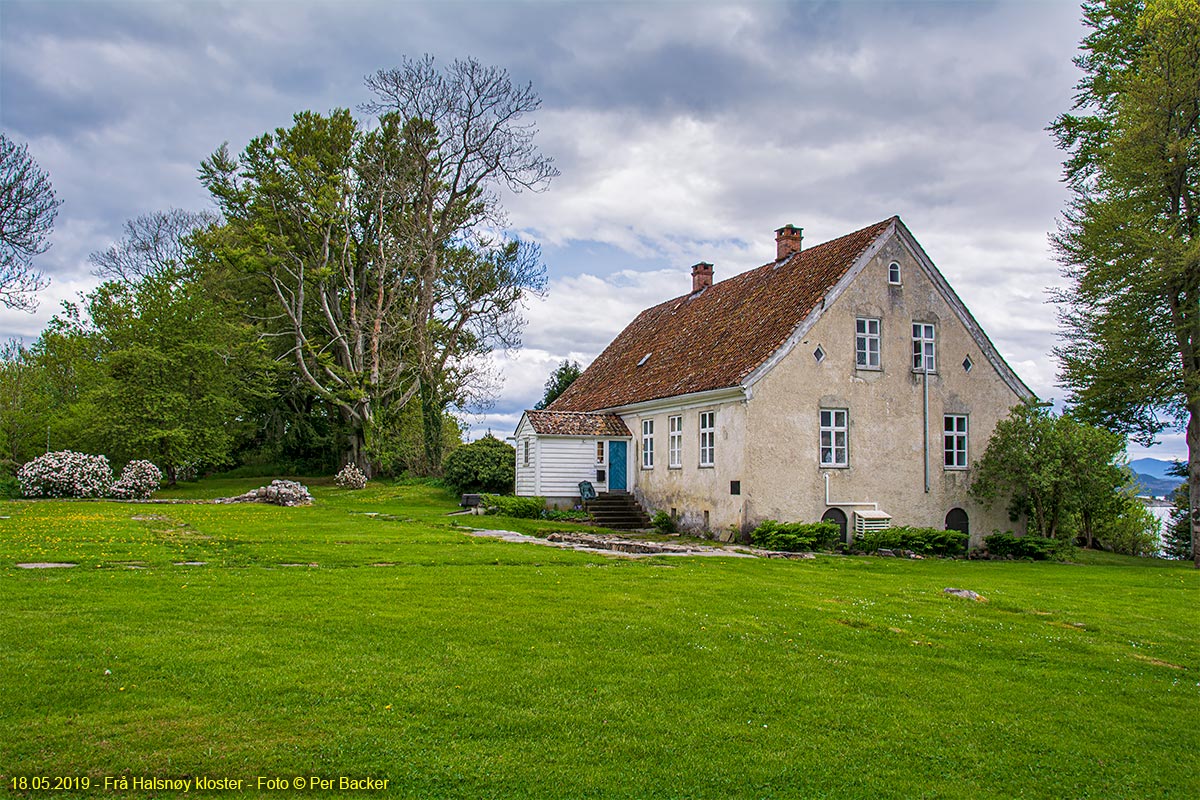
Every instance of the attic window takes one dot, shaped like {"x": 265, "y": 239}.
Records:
{"x": 968, "y": 363}
{"x": 645, "y": 358}
{"x": 894, "y": 273}
{"x": 819, "y": 354}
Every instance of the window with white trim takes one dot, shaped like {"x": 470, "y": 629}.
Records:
{"x": 526, "y": 442}
{"x": 674, "y": 442}
{"x": 954, "y": 427}
{"x": 834, "y": 434}
{"x": 708, "y": 437}
{"x": 924, "y": 340}
{"x": 647, "y": 444}
{"x": 599, "y": 452}
{"x": 894, "y": 272}
{"x": 866, "y": 343}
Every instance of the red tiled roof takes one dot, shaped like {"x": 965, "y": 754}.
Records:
{"x": 574, "y": 423}
{"x": 716, "y": 338}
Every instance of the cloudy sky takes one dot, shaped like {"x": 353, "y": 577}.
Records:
{"x": 684, "y": 132}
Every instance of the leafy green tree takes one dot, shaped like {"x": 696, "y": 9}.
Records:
{"x": 170, "y": 389}
{"x": 485, "y": 465}
{"x": 1060, "y": 474}
{"x": 558, "y": 382}
{"x": 24, "y": 406}
{"x": 1128, "y": 244}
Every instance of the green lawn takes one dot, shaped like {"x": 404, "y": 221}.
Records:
{"x": 454, "y": 666}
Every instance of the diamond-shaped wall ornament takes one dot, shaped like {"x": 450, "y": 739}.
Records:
{"x": 819, "y": 354}
{"x": 968, "y": 363}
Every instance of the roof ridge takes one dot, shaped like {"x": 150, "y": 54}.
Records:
{"x": 713, "y": 338}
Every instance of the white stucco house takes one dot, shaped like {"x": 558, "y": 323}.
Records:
{"x": 845, "y": 381}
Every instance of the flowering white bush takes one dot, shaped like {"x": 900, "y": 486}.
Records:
{"x": 66, "y": 474}
{"x": 351, "y": 477}
{"x": 138, "y": 481}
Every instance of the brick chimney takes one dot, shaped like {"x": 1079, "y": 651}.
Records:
{"x": 701, "y": 276}
{"x": 787, "y": 241}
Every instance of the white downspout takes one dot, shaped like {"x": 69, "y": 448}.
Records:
{"x": 925, "y": 416}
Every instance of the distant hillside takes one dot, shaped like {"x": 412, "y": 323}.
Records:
{"x": 1157, "y": 487}
{"x": 1154, "y": 468}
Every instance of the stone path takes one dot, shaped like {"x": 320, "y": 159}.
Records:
{"x": 607, "y": 545}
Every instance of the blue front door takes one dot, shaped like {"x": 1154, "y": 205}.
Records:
{"x": 616, "y": 466}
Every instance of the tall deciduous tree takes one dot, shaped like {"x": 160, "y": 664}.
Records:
{"x": 27, "y": 211}
{"x": 378, "y": 246}
{"x": 478, "y": 140}
{"x": 1130, "y": 241}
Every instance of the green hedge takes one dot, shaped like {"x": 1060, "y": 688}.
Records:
{"x": 510, "y": 506}
{"x": 1038, "y": 548}
{"x": 796, "y": 537}
{"x": 926, "y": 541}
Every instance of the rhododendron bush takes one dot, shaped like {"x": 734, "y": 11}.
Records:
{"x": 351, "y": 477}
{"x": 138, "y": 481}
{"x": 66, "y": 474}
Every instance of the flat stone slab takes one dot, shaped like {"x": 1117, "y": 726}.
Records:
{"x": 46, "y": 565}
{"x": 190, "y": 563}
{"x": 605, "y": 545}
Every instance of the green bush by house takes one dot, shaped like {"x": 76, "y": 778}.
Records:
{"x": 926, "y": 541}
{"x": 795, "y": 537}
{"x": 1038, "y": 548}
{"x": 485, "y": 465}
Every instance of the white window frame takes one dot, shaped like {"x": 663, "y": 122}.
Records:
{"x": 675, "y": 442}
{"x": 599, "y": 452}
{"x": 647, "y": 444}
{"x": 894, "y": 273}
{"x": 708, "y": 438}
{"x": 955, "y": 438}
{"x": 834, "y": 444}
{"x": 924, "y": 339}
{"x": 867, "y": 343}
{"x": 525, "y": 462}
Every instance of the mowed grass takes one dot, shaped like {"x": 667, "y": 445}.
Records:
{"x": 455, "y": 666}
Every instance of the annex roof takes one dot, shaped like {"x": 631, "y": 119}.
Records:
{"x": 573, "y": 423}
{"x": 715, "y": 338}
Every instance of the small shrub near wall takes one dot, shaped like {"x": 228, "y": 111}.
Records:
{"x": 138, "y": 481}
{"x": 1038, "y": 548}
{"x": 519, "y": 507}
{"x": 796, "y": 537}
{"x": 926, "y": 541}
{"x": 663, "y": 522}
{"x": 66, "y": 474}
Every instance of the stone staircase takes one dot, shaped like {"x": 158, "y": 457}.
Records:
{"x": 617, "y": 510}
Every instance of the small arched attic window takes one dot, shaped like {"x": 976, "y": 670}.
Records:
{"x": 894, "y": 273}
